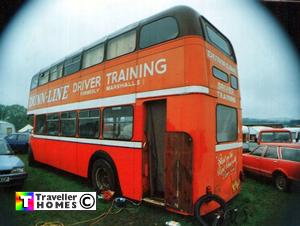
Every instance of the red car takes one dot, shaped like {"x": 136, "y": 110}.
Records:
{"x": 280, "y": 161}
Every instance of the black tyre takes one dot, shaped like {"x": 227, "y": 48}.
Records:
{"x": 208, "y": 199}
{"x": 281, "y": 182}
{"x": 31, "y": 160}
{"x": 103, "y": 176}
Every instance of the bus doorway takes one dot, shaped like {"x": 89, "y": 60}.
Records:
{"x": 155, "y": 133}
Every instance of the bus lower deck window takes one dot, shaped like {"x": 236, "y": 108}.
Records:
{"x": 226, "y": 123}
{"x": 53, "y": 124}
{"x": 89, "y": 121}
{"x": 40, "y": 123}
{"x": 68, "y": 123}
{"x": 118, "y": 123}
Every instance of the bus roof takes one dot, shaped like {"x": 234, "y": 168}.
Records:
{"x": 187, "y": 18}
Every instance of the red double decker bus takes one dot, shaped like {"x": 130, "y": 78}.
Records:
{"x": 152, "y": 111}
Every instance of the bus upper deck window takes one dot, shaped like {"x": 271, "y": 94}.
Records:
{"x": 217, "y": 39}
{"x": 220, "y": 74}
{"x": 121, "y": 45}
{"x": 93, "y": 56}
{"x": 34, "y": 82}
{"x": 56, "y": 72}
{"x": 72, "y": 64}
{"x": 158, "y": 31}
{"x": 234, "y": 82}
{"x": 44, "y": 78}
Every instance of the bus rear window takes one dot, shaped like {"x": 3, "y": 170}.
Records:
{"x": 217, "y": 39}
{"x": 226, "y": 123}
{"x": 234, "y": 82}
{"x": 118, "y": 123}
{"x": 220, "y": 74}
{"x": 158, "y": 31}
{"x": 291, "y": 154}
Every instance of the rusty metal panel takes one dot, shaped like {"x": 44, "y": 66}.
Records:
{"x": 178, "y": 171}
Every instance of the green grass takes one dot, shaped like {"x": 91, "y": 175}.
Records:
{"x": 263, "y": 203}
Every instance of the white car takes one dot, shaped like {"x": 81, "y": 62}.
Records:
{"x": 12, "y": 171}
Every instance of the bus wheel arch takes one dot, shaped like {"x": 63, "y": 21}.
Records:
{"x": 206, "y": 199}
{"x": 103, "y": 158}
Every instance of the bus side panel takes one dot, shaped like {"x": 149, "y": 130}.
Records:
{"x": 55, "y": 154}
{"x": 67, "y": 155}
{"x": 38, "y": 149}
{"x": 127, "y": 162}
{"x": 195, "y": 69}
{"x": 169, "y": 67}
{"x": 194, "y": 114}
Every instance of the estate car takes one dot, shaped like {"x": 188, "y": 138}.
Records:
{"x": 280, "y": 161}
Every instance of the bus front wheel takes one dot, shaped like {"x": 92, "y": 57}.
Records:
{"x": 103, "y": 177}
{"x": 205, "y": 200}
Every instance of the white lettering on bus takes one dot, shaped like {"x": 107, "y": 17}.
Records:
{"x": 143, "y": 70}
{"x": 222, "y": 87}
{"x": 52, "y": 95}
{"x": 226, "y": 97}
{"x": 220, "y": 61}
{"x": 87, "y": 84}
{"x": 65, "y": 92}
{"x": 225, "y": 92}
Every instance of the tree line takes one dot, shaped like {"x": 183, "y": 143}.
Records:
{"x": 15, "y": 114}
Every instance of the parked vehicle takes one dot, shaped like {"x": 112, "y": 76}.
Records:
{"x": 274, "y": 135}
{"x": 6, "y": 128}
{"x": 18, "y": 142}
{"x": 280, "y": 161}
{"x": 26, "y": 129}
{"x": 12, "y": 171}
{"x": 295, "y": 133}
{"x": 246, "y": 138}
{"x": 167, "y": 97}
{"x": 254, "y": 131}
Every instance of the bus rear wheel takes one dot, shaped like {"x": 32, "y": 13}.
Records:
{"x": 207, "y": 199}
{"x": 103, "y": 176}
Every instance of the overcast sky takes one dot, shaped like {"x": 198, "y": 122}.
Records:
{"x": 44, "y": 32}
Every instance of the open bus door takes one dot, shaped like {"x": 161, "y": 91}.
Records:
{"x": 155, "y": 132}
{"x": 169, "y": 156}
